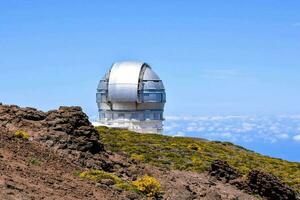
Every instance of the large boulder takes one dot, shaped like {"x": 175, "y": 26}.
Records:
{"x": 269, "y": 186}
{"x": 257, "y": 182}
{"x": 223, "y": 171}
{"x": 69, "y": 128}
{"x": 14, "y": 115}
{"x": 65, "y": 128}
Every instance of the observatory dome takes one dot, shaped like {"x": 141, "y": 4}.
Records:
{"x": 131, "y": 95}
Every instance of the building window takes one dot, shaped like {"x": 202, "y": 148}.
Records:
{"x": 103, "y": 98}
{"x": 134, "y": 116}
{"x": 121, "y": 115}
{"x": 149, "y": 116}
{"x": 152, "y": 97}
{"x": 156, "y": 116}
{"x": 102, "y": 115}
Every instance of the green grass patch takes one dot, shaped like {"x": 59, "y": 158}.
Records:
{"x": 34, "y": 161}
{"x": 98, "y": 175}
{"x": 146, "y": 185}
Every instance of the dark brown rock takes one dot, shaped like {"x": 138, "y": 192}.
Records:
{"x": 222, "y": 171}
{"x": 257, "y": 182}
{"x": 107, "y": 182}
{"x": 66, "y": 130}
{"x": 269, "y": 186}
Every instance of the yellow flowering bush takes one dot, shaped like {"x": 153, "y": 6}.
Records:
{"x": 148, "y": 186}
{"x": 22, "y": 134}
{"x": 137, "y": 157}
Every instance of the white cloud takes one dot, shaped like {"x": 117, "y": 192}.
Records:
{"x": 273, "y": 140}
{"x": 236, "y": 128}
{"x": 296, "y": 138}
{"x": 179, "y": 134}
{"x": 274, "y": 128}
{"x": 206, "y": 118}
{"x": 295, "y": 117}
{"x": 171, "y": 126}
{"x": 246, "y": 127}
{"x": 246, "y": 138}
{"x": 195, "y": 128}
{"x": 282, "y": 136}
{"x": 96, "y": 124}
{"x": 226, "y": 135}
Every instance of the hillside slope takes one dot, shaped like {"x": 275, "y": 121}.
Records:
{"x": 29, "y": 170}
{"x": 59, "y": 155}
{"x": 195, "y": 155}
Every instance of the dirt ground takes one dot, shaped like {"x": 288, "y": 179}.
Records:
{"x": 52, "y": 178}
{"x": 29, "y": 170}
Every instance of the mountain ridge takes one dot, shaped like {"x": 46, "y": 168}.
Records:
{"x": 53, "y": 150}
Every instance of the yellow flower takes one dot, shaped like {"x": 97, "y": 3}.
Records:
{"x": 22, "y": 134}
{"x": 148, "y": 186}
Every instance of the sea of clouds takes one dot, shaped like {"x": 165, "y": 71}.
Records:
{"x": 247, "y": 129}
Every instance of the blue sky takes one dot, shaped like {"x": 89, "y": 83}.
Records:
{"x": 217, "y": 58}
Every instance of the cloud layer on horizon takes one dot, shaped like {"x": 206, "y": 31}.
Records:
{"x": 269, "y": 129}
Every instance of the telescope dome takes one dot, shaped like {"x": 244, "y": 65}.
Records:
{"x": 131, "y": 95}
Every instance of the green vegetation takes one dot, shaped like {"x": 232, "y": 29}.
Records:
{"x": 194, "y": 154}
{"x": 137, "y": 158}
{"x": 148, "y": 186}
{"x": 34, "y": 161}
{"x": 22, "y": 134}
{"x": 98, "y": 175}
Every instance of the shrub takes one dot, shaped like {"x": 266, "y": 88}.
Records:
{"x": 22, "y": 134}
{"x": 193, "y": 147}
{"x": 137, "y": 157}
{"x": 125, "y": 186}
{"x": 34, "y": 161}
{"x": 148, "y": 186}
{"x": 98, "y": 175}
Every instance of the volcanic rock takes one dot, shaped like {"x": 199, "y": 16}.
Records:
{"x": 222, "y": 171}
{"x": 65, "y": 128}
{"x": 269, "y": 186}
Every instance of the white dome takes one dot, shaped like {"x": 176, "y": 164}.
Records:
{"x": 149, "y": 74}
{"x": 131, "y": 91}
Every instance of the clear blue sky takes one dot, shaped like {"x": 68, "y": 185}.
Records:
{"x": 215, "y": 57}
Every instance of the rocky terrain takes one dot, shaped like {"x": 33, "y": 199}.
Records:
{"x": 43, "y": 156}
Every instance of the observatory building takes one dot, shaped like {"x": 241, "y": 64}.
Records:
{"x": 132, "y": 96}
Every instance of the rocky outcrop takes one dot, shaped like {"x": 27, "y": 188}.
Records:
{"x": 65, "y": 128}
{"x": 15, "y": 114}
{"x": 269, "y": 186}
{"x": 257, "y": 182}
{"x": 222, "y": 171}
{"x": 69, "y": 128}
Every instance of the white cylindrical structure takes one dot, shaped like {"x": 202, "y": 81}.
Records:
{"x": 132, "y": 96}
